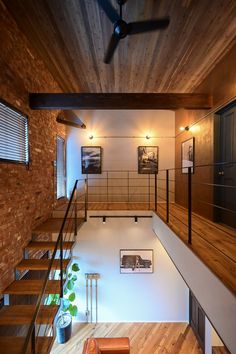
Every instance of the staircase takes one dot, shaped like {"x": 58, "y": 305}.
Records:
{"x": 31, "y": 325}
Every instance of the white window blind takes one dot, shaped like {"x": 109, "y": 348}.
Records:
{"x": 61, "y": 181}
{"x": 13, "y": 135}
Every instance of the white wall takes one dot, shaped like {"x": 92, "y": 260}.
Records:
{"x": 120, "y": 152}
{"x": 218, "y": 303}
{"x": 161, "y": 296}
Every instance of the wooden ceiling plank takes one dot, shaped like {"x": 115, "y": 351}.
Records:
{"x": 72, "y": 37}
{"x": 119, "y": 101}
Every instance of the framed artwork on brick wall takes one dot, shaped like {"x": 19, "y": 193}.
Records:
{"x": 148, "y": 159}
{"x": 91, "y": 159}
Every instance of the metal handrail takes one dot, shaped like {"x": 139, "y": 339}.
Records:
{"x": 31, "y": 330}
{"x": 204, "y": 165}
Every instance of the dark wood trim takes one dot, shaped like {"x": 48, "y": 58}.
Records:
{"x": 119, "y": 101}
{"x": 196, "y": 326}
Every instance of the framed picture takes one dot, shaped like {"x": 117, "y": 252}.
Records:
{"x": 148, "y": 159}
{"x": 91, "y": 159}
{"x": 136, "y": 261}
{"x": 187, "y": 155}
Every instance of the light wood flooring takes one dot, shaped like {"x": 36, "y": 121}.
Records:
{"x": 213, "y": 243}
{"x": 220, "y": 350}
{"x": 145, "y": 338}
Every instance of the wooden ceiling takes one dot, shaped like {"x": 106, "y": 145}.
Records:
{"x": 71, "y": 36}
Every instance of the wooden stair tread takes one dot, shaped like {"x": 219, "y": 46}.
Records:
{"x": 40, "y": 264}
{"x": 22, "y": 314}
{"x": 49, "y": 245}
{"x": 32, "y": 287}
{"x": 53, "y": 225}
{"x": 14, "y": 345}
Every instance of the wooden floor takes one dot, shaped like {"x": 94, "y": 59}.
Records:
{"x": 145, "y": 338}
{"x": 220, "y": 350}
{"x": 213, "y": 243}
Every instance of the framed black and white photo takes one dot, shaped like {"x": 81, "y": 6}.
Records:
{"x": 187, "y": 155}
{"x": 148, "y": 159}
{"x": 136, "y": 261}
{"x": 91, "y": 159}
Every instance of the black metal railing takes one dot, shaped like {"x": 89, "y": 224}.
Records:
{"x": 122, "y": 187}
{"x": 189, "y": 184}
{"x": 56, "y": 270}
{"x": 160, "y": 191}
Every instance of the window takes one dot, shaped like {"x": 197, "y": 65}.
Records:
{"x": 14, "y": 145}
{"x": 61, "y": 167}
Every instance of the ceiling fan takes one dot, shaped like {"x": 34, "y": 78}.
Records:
{"x": 123, "y": 29}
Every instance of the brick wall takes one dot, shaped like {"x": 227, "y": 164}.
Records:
{"x": 27, "y": 196}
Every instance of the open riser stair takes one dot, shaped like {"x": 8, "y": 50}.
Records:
{"x": 29, "y": 326}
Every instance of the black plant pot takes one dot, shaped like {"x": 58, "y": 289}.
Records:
{"x": 63, "y": 328}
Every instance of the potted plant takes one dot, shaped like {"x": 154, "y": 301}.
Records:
{"x": 67, "y": 309}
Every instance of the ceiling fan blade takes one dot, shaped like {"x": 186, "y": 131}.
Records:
{"x": 148, "y": 26}
{"x": 109, "y": 10}
{"x": 111, "y": 48}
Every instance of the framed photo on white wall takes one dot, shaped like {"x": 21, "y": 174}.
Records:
{"x": 136, "y": 261}
{"x": 91, "y": 159}
{"x": 148, "y": 159}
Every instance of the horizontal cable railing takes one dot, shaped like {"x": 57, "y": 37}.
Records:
{"x": 193, "y": 192}
{"x": 59, "y": 260}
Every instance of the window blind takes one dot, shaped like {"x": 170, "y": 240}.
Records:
{"x": 14, "y": 145}
{"x": 61, "y": 186}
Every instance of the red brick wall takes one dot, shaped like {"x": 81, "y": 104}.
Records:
{"x": 27, "y": 196}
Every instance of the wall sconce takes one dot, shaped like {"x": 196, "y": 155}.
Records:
{"x": 136, "y": 219}
{"x": 104, "y": 220}
{"x": 148, "y": 136}
{"x": 184, "y": 128}
{"x": 91, "y": 136}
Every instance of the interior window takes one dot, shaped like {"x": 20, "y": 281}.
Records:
{"x": 14, "y": 142}
{"x": 61, "y": 168}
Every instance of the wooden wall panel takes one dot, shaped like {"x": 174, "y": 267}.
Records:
{"x": 221, "y": 83}
{"x": 203, "y": 133}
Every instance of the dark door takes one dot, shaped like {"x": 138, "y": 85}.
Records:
{"x": 225, "y": 175}
{"x": 197, "y": 320}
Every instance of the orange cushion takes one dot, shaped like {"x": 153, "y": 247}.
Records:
{"x": 107, "y": 346}
{"x": 91, "y": 347}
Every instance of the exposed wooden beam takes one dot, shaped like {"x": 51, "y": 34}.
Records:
{"x": 119, "y": 101}
{"x": 70, "y": 118}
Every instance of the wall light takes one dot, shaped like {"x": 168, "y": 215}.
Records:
{"x": 148, "y": 137}
{"x": 104, "y": 220}
{"x": 91, "y": 136}
{"x": 184, "y": 128}
{"x": 136, "y": 219}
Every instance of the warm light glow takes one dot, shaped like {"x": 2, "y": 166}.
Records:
{"x": 148, "y": 136}
{"x": 195, "y": 129}
{"x": 184, "y": 128}
{"x": 91, "y": 136}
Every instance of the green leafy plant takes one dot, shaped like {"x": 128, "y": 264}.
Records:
{"x": 69, "y": 293}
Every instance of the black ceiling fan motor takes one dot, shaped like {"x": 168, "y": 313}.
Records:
{"x": 122, "y": 29}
